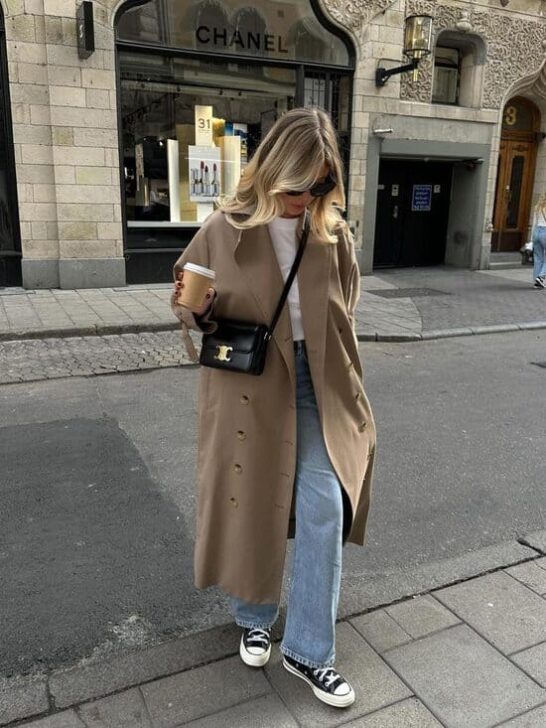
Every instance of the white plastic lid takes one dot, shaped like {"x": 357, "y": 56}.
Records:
{"x": 200, "y": 269}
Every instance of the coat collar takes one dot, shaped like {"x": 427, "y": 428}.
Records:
{"x": 255, "y": 255}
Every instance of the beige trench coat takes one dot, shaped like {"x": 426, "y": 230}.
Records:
{"x": 247, "y": 424}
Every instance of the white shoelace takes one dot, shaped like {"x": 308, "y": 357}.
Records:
{"x": 258, "y": 635}
{"x": 327, "y": 675}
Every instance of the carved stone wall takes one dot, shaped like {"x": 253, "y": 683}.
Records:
{"x": 354, "y": 14}
{"x": 514, "y": 49}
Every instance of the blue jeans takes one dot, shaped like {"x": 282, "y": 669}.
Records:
{"x": 309, "y": 634}
{"x": 539, "y": 251}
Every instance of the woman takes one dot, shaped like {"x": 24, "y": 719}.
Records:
{"x": 290, "y": 451}
{"x": 539, "y": 243}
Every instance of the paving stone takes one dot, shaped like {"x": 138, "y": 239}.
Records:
{"x": 22, "y": 697}
{"x": 505, "y": 612}
{"x": 125, "y": 710}
{"x": 264, "y": 712}
{"x": 408, "y": 714}
{"x": 381, "y": 631}
{"x": 463, "y": 680}
{"x": 203, "y": 691}
{"x": 530, "y": 574}
{"x": 533, "y": 661}
{"x": 67, "y": 719}
{"x": 533, "y": 719}
{"x": 421, "y": 616}
{"x": 374, "y": 683}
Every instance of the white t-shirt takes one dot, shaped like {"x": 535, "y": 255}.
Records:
{"x": 283, "y": 236}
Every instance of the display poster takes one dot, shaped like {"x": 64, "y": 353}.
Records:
{"x": 205, "y": 173}
{"x": 421, "y": 198}
{"x": 203, "y": 126}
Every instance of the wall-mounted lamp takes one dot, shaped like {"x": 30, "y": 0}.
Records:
{"x": 417, "y": 45}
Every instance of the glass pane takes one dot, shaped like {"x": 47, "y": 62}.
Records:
{"x": 516, "y": 179}
{"x": 274, "y": 29}
{"x": 169, "y": 106}
{"x": 445, "y": 85}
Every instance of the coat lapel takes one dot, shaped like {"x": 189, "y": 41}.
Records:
{"x": 313, "y": 281}
{"x": 255, "y": 256}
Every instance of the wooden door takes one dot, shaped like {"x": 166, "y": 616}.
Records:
{"x": 515, "y": 175}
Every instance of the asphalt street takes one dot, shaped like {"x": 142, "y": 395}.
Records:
{"x": 97, "y": 491}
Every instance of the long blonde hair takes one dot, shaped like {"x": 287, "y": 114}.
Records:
{"x": 289, "y": 158}
{"x": 541, "y": 204}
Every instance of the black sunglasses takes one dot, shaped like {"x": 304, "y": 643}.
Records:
{"x": 321, "y": 189}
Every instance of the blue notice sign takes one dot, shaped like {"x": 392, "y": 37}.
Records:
{"x": 421, "y": 198}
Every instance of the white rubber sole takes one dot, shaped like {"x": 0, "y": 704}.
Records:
{"x": 336, "y": 701}
{"x": 254, "y": 660}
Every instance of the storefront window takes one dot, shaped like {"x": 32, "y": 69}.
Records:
{"x": 201, "y": 83}
{"x": 189, "y": 127}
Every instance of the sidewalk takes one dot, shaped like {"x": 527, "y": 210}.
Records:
{"x": 410, "y": 304}
{"x": 469, "y": 655}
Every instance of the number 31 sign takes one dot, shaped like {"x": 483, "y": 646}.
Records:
{"x": 203, "y": 126}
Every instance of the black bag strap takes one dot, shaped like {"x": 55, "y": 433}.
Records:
{"x": 292, "y": 274}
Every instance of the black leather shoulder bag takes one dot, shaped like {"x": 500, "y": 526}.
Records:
{"x": 239, "y": 346}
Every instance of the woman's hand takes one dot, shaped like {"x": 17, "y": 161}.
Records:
{"x": 209, "y": 298}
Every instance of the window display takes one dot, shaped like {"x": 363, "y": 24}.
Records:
{"x": 188, "y": 131}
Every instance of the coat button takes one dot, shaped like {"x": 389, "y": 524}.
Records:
{"x": 237, "y": 468}
{"x": 241, "y": 435}
{"x": 234, "y": 502}
{"x": 244, "y": 399}
{"x": 362, "y": 426}
{"x": 357, "y": 395}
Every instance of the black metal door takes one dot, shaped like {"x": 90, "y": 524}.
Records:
{"x": 412, "y": 213}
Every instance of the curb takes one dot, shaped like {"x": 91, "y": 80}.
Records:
{"x": 455, "y": 332}
{"x": 136, "y": 328}
{"x": 40, "y": 695}
{"x": 91, "y": 330}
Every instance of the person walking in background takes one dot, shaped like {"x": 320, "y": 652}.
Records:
{"x": 539, "y": 243}
{"x": 289, "y": 452}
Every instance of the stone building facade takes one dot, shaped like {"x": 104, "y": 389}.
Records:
{"x": 70, "y": 228}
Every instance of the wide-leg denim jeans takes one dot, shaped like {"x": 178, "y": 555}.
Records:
{"x": 539, "y": 252}
{"x": 309, "y": 634}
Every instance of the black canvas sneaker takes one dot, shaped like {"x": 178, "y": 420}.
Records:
{"x": 255, "y": 648}
{"x": 327, "y": 684}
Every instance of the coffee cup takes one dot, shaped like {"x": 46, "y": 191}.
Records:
{"x": 195, "y": 285}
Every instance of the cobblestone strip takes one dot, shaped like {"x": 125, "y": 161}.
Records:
{"x": 35, "y": 360}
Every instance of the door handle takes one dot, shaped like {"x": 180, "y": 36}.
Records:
{"x": 395, "y": 212}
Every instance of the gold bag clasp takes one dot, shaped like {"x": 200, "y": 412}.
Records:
{"x": 222, "y": 352}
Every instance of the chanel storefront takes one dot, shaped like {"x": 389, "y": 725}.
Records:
{"x": 199, "y": 84}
